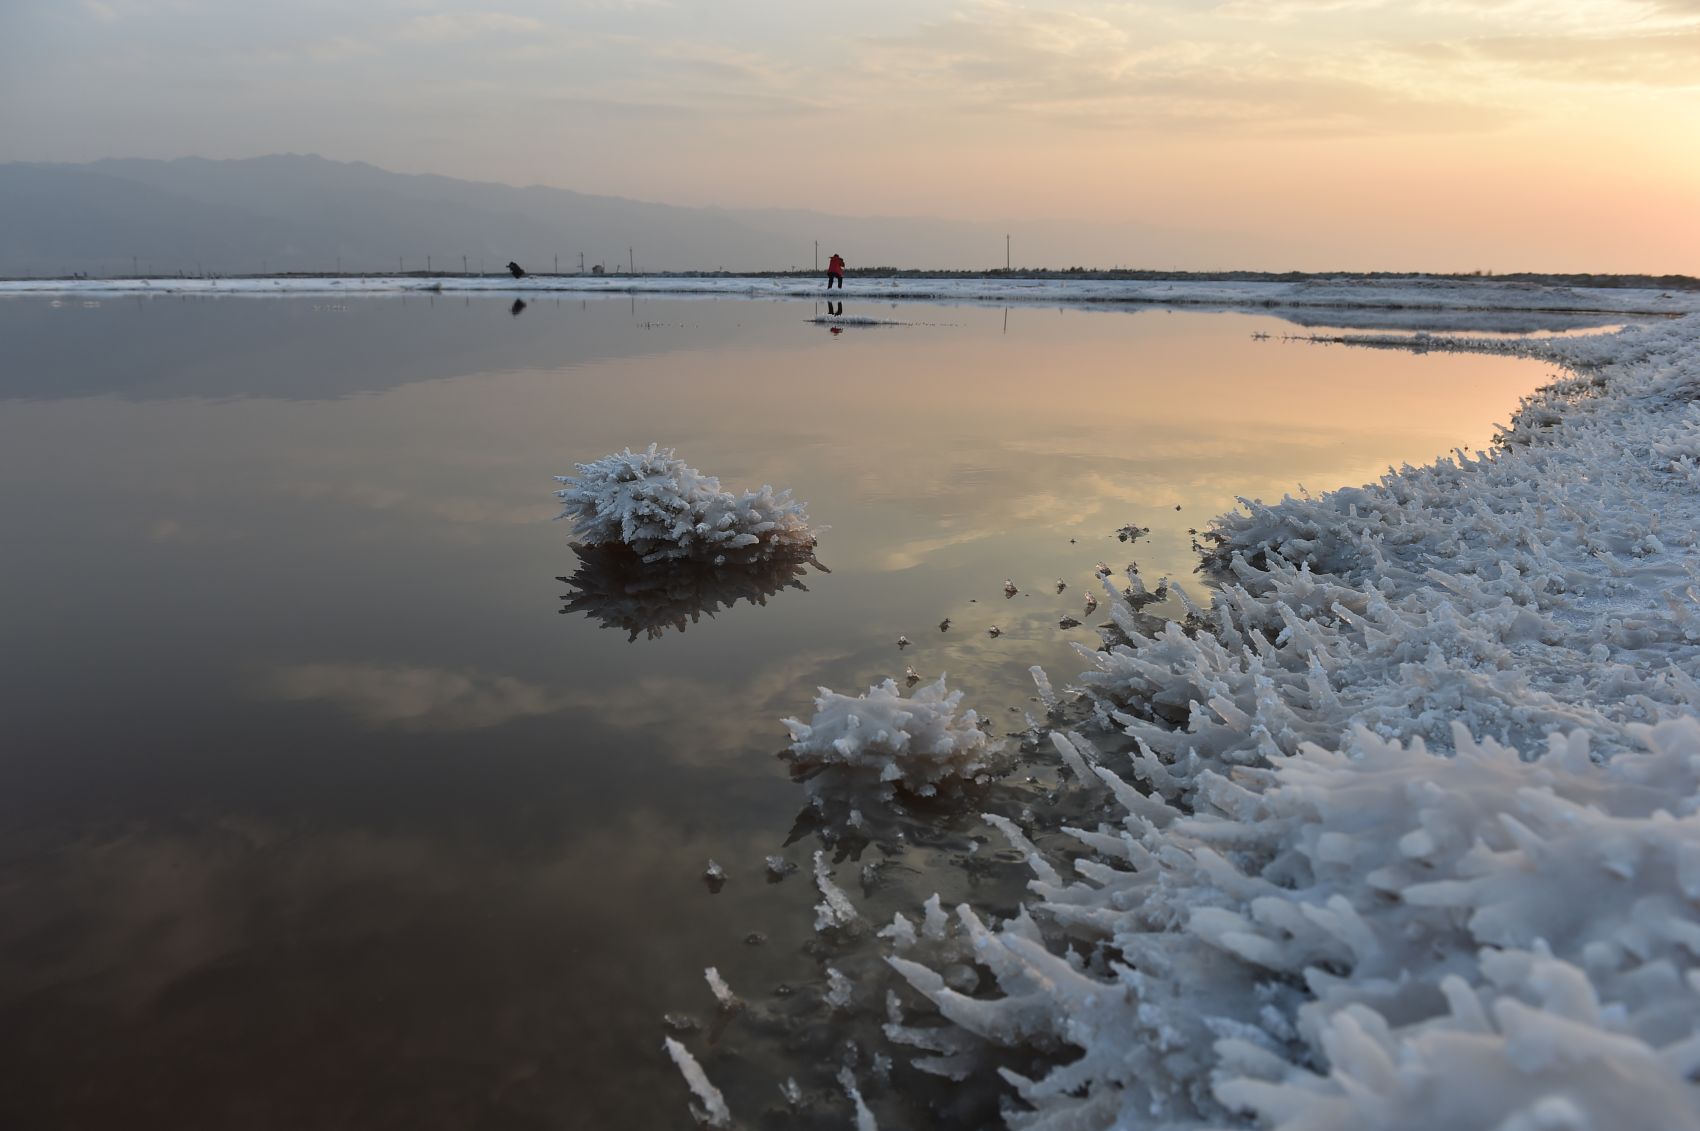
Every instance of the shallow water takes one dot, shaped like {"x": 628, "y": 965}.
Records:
{"x": 314, "y": 809}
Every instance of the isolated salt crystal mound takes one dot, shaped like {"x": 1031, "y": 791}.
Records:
{"x": 1303, "y": 918}
{"x": 916, "y": 743}
{"x": 661, "y": 509}
{"x": 614, "y": 586}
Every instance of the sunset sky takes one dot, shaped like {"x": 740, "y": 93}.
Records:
{"x": 1426, "y": 134}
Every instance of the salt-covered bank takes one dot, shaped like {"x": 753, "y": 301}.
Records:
{"x": 1411, "y": 833}
{"x": 1404, "y": 830}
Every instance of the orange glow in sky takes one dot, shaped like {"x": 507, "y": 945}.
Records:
{"x": 1366, "y": 134}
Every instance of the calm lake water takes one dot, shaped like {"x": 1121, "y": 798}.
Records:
{"x": 315, "y": 811}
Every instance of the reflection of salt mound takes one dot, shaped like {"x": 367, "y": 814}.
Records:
{"x": 615, "y": 586}
{"x": 662, "y": 509}
{"x": 917, "y": 742}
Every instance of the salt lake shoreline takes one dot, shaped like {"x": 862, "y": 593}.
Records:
{"x": 1313, "y": 921}
{"x": 1414, "y": 294}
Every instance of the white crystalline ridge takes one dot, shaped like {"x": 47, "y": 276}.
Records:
{"x": 653, "y": 503}
{"x": 710, "y": 1108}
{"x": 1411, "y": 838}
{"x": 916, "y": 742}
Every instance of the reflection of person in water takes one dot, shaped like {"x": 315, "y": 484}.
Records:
{"x": 519, "y": 305}
{"x": 835, "y": 309}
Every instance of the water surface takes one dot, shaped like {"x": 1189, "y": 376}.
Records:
{"x": 316, "y": 811}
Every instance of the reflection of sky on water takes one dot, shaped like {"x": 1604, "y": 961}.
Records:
{"x": 315, "y": 807}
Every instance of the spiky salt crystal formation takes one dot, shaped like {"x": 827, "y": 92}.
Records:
{"x": 653, "y": 503}
{"x": 1327, "y": 901}
{"x": 917, "y": 743}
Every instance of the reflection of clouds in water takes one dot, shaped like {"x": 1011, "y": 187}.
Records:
{"x": 690, "y": 720}
{"x": 465, "y": 946}
{"x": 972, "y": 501}
{"x": 413, "y": 698}
{"x": 699, "y": 723}
{"x": 443, "y": 507}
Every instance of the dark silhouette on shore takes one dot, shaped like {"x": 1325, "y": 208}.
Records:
{"x": 516, "y": 270}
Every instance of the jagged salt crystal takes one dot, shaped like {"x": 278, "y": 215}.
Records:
{"x": 713, "y": 1111}
{"x": 835, "y": 908}
{"x": 722, "y": 992}
{"x": 838, "y": 988}
{"x": 864, "y": 1118}
{"x": 1043, "y": 682}
{"x": 916, "y": 741}
{"x": 661, "y": 509}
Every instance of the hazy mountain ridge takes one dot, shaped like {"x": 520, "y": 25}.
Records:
{"x": 294, "y": 212}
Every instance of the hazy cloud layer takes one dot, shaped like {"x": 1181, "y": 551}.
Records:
{"x": 987, "y": 109}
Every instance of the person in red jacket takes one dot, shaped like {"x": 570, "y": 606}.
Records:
{"x": 835, "y": 271}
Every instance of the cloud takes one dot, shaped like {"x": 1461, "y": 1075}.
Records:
{"x": 412, "y": 698}
{"x": 1658, "y": 58}
{"x": 1086, "y": 71}
{"x": 459, "y": 27}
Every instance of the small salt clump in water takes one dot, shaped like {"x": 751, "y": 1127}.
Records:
{"x": 713, "y": 1112}
{"x": 661, "y": 509}
{"x": 944, "y": 625}
{"x": 714, "y": 876}
{"x": 722, "y": 992}
{"x": 839, "y": 988}
{"x": 1061, "y": 585}
{"x": 910, "y": 675}
{"x": 1009, "y": 589}
{"x": 1091, "y": 603}
{"x": 835, "y": 908}
{"x": 915, "y": 742}
{"x": 994, "y": 631}
{"x": 778, "y": 868}
{"x": 902, "y": 641}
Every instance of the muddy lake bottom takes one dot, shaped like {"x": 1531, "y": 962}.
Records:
{"x": 325, "y": 802}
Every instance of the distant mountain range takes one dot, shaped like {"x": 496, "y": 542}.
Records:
{"x": 294, "y": 213}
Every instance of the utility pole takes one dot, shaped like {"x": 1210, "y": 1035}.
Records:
{"x": 631, "y": 262}
{"x": 1006, "y": 251}
{"x": 557, "y": 263}
{"x": 134, "y": 268}
{"x": 399, "y": 269}
{"x": 339, "y": 265}
{"x": 817, "y": 257}
{"x": 427, "y": 265}
{"x": 581, "y": 263}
